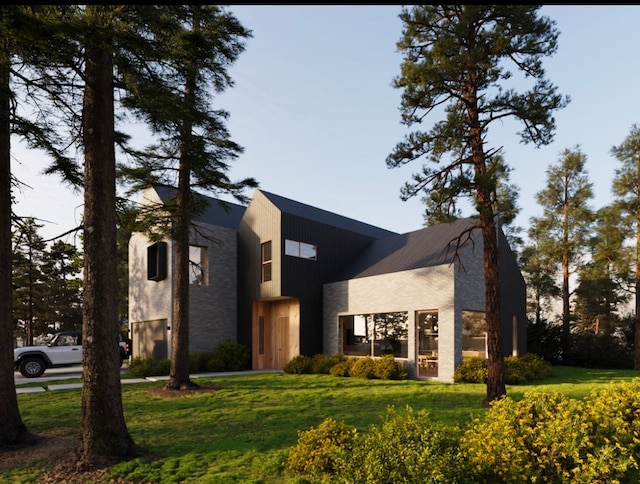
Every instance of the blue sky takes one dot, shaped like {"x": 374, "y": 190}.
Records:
{"x": 314, "y": 109}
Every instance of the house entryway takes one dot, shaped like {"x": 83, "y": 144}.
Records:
{"x": 275, "y": 333}
{"x": 427, "y": 330}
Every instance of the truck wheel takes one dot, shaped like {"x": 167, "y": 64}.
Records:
{"x": 32, "y": 367}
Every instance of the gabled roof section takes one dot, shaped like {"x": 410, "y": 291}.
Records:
{"x": 217, "y": 212}
{"x": 428, "y": 247}
{"x": 291, "y": 207}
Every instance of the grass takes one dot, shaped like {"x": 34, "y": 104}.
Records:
{"x": 241, "y": 433}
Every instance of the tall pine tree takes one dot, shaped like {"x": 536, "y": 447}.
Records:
{"x": 457, "y": 62}
{"x": 626, "y": 189}
{"x": 194, "y": 50}
{"x": 565, "y": 223}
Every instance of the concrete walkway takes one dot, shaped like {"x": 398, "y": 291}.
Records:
{"x": 126, "y": 381}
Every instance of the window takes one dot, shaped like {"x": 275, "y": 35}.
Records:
{"x": 300, "y": 249}
{"x": 265, "y": 250}
{"x": 197, "y": 265}
{"x": 261, "y": 335}
{"x": 474, "y": 334}
{"x": 157, "y": 261}
{"x": 427, "y": 328}
{"x": 375, "y": 334}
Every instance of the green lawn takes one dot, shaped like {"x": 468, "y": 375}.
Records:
{"x": 241, "y": 433}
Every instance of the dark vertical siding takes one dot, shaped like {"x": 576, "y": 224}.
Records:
{"x": 513, "y": 298}
{"x": 303, "y": 279}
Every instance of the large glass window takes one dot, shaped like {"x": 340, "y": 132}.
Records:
{"x": 300, "y": 249}
{"x": 198, "y": 265}
{"x": 375, "y": 334}
{"x": 474, "y": 334}
{"x": 427, "y": 322}
{"x": 265, "y": 254}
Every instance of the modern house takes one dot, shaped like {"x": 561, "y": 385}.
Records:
{"x": 285, "y": 278}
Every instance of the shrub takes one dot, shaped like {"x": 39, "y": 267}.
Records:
{"x": 517, "y": 370}
{"x": 408, "y": 447}
{"x": 537, "y": 367}
{"x": 343, "y": 368}
{"x": 198, "y": 361}
{"x": 387, "y": 368}
{"x": 514, "y": 371}
{"x": 230, "y": 356}
{"x": 547, "y": 437}
{"x": 140, "y": 367}
{"x": 532, "y": 440}
{"x": 363, "y": 368}
{"x": 299, "y": 365}
{"x": 613, "y": 414}
{"x": 472, "y": 370}
{"x": 146, "y": 366}
{"x": 318, "y": 450}
{"x": 322, "y": 364}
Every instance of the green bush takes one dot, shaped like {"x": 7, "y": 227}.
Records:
{"x": 230, "y": 356}
{"x": 318, "y": 450}
{"x": 299, "y": 365}
{"x": 321, "y": 364}
{"x": 537, "y": 367}
{"x": 198, "y": 361}
{"x": 343, "y": 368}
{"x": 364, "y": 368}
{"x": 142, "y": 367}
{"x": 388, "y": 368}
{"x": 407, "y": 448}
{"x": 472, "y": 370}
{"x": 547, "y": 437}
{"x": 517, "y": 370}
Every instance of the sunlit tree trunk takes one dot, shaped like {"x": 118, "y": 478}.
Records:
{"x": 12, "y": 430}
{"x": 104, "y": 434}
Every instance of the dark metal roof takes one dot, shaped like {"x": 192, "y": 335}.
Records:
{"x": 291, "y": 207}
{"x": 217, "y": 212}
{"x": 426, "y": 247}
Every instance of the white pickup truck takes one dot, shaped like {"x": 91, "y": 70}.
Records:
{"x": 64, "y": 349}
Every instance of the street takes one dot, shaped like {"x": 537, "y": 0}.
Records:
{"x": 55, "y": 374}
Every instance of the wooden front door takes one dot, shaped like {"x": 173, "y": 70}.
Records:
{"x": 275, "y": 333}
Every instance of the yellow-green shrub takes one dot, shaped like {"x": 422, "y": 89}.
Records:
{"x": 319, "y": 449}
{"x": 322, "y": 364}
{"x": 343, "y": 368}
{"x": 472, "y": 370}
{"x": 517, "y": 370}
{"x": 547, "y": 437}
{"x": 299, "y": 365}
{"x": 388, "y": 368}
{"x": 408, "y": 447}
{"x": 613, "y": 415}
{"x": 363, "y": 368}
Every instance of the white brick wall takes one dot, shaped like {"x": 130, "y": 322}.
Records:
{"x": 443, "y": 288}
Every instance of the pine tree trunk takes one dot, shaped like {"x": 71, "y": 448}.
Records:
{"x": 179, "y": 373}
{"x": 12, "y": 430}
{"x": 104, "y": 435}
{"x": 636, "y": 318}
{"x": 495, "y": 380}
